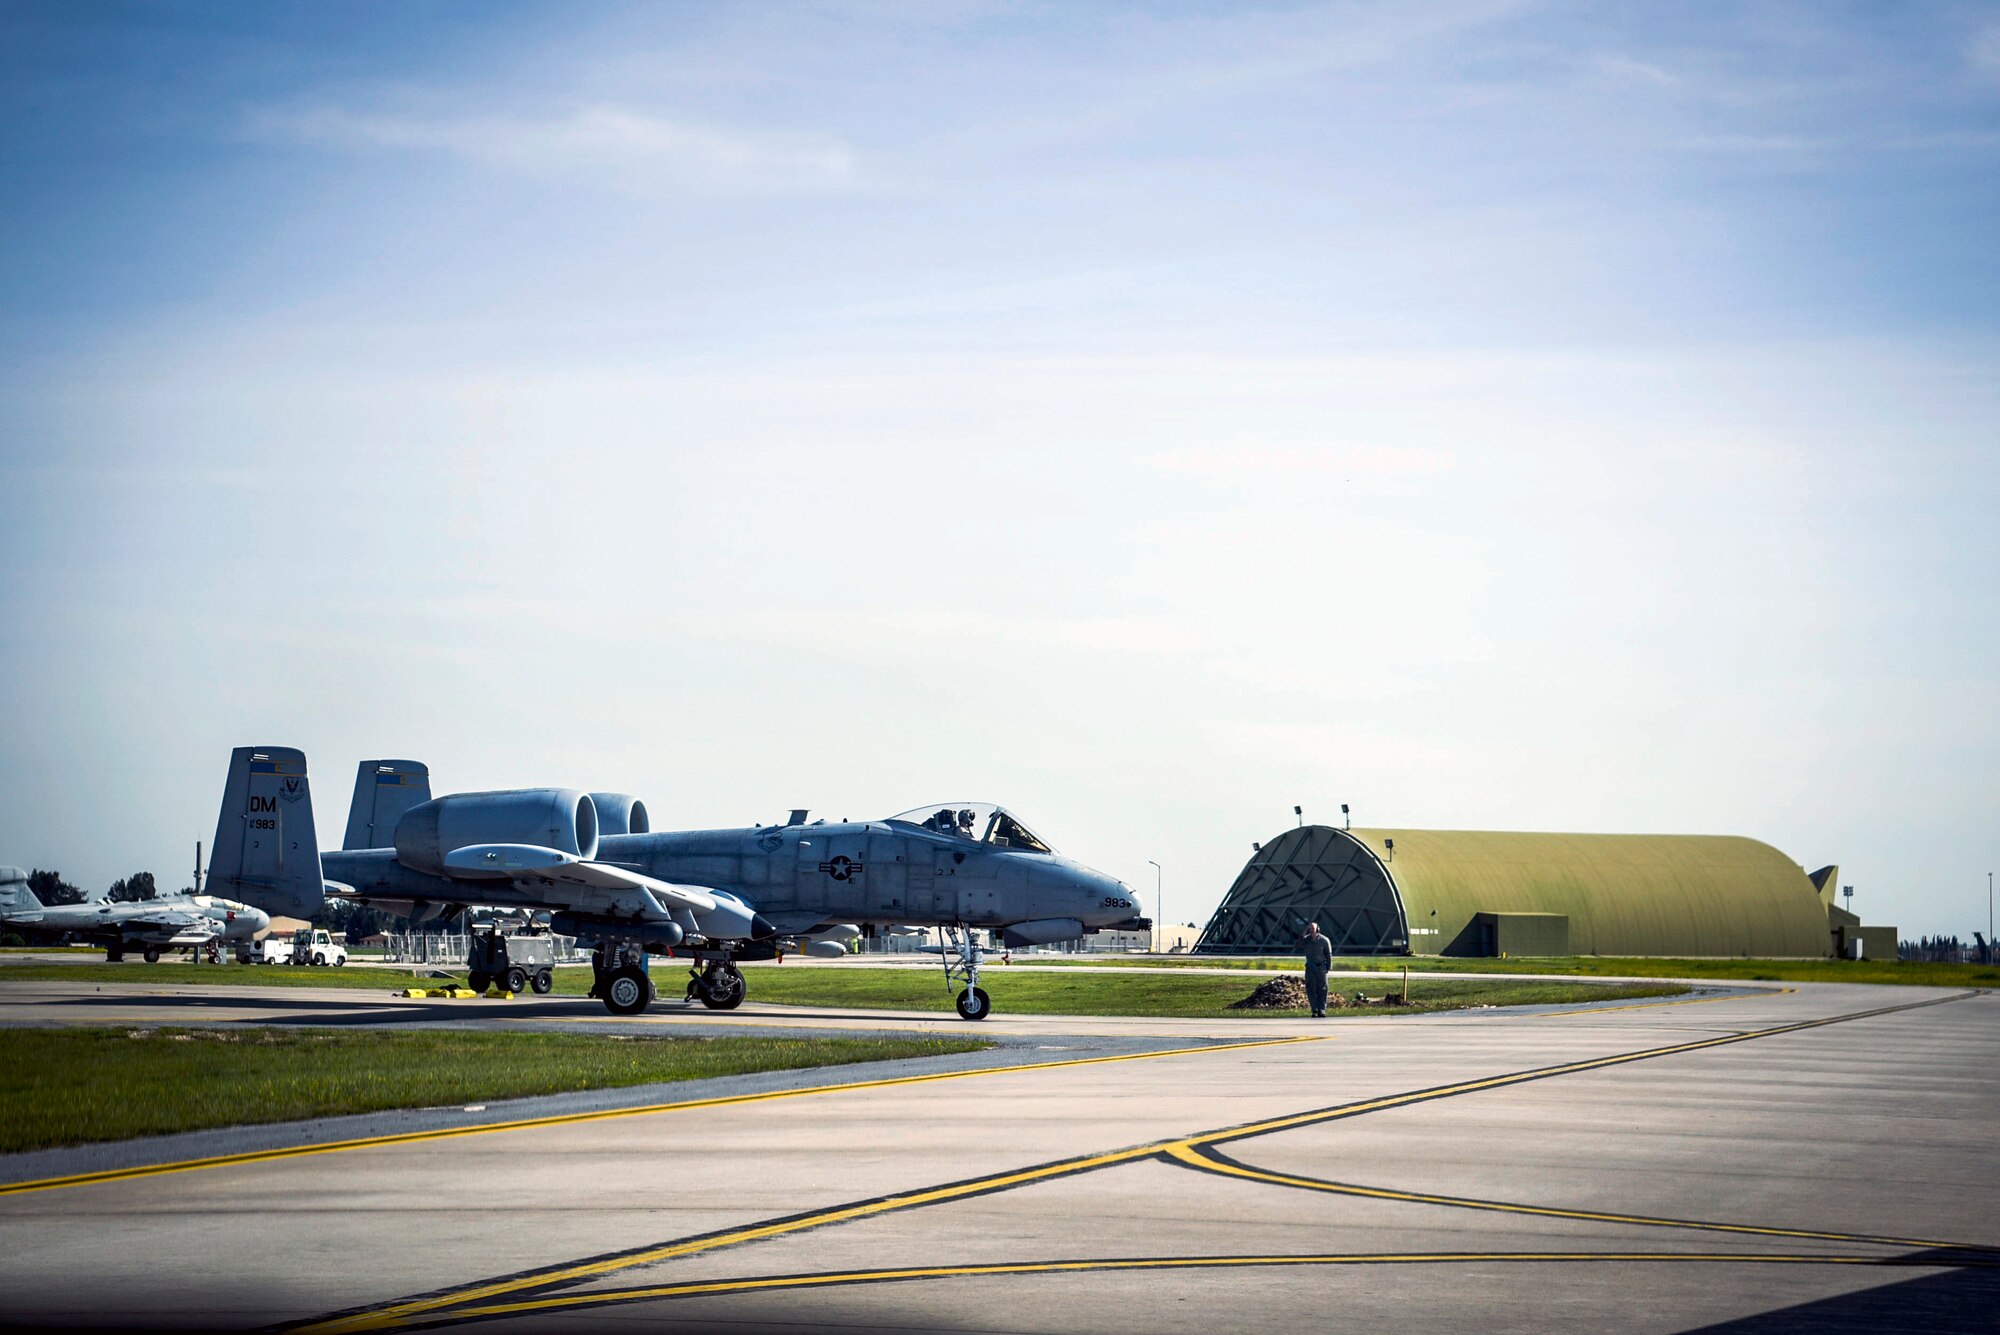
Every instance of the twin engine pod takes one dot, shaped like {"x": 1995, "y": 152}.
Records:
{"x": 560, "y": 818}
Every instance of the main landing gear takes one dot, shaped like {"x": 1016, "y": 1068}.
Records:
{"x": 619, "y": 979}
{"x": 718, "y": 986}
{"x": 961, "y": 954}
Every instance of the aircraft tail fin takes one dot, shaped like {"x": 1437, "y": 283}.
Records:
{"x": 17, "y": 898}
{"x": 266, "y": 852}
{"x": 383, "y": 791}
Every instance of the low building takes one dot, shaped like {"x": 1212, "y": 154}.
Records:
{"x": 1492, "y": 893}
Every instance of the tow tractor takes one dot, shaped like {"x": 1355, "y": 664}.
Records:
{"x": 314, "y": 946}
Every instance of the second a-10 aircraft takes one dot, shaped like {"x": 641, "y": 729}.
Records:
{"x": 593, "y": 863}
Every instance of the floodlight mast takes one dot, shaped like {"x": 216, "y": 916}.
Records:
{"x": 1160, "y": 899}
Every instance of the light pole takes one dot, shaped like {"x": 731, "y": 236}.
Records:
{"x": 1159, "y": 898}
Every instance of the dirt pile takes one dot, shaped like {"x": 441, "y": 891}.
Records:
{"x": 1286, "y": 993}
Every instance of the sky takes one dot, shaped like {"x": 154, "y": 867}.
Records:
{"x": 1148, "y": 416}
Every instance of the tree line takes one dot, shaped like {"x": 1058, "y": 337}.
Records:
{"x": 51, "y": 888}
{"x": 357, "y": 920}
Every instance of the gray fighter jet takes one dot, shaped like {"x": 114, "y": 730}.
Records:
{"x": 146, "y": 925}
{"x": 593, "y": 863}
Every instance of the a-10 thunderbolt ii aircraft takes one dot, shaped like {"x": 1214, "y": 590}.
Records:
{"x": 594, "y": 864}
{"x": 146, "y": 925}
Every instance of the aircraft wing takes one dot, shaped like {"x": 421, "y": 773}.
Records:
{"x": 166, "y": 926}
{"x": 601, "y": 884}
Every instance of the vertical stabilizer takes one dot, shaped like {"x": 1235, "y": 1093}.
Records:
{"x": 17, "y": 899}
{"x": 266, "y": 852}
{"x": 383, "y": 791}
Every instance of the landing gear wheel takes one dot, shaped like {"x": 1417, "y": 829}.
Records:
{"x": 477, "y": 981}
{"x": 723, "y": 988}
{"x": 152, "y": 955}
{"x": 517, "y": 980}
{"x": 627, "y": 990}
{"x": 543, "y": 983}
{"x": 974, "y": 1004}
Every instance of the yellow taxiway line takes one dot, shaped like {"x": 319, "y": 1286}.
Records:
{"x": 1192, "y": 1156}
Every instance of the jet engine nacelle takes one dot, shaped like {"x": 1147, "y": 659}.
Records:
{"x": 1042, "y": 931}
{"x": 559, "y": 818}
{"x": 621, "y": 813}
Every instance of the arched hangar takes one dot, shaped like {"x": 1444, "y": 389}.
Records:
{"x": 1473, "y": 892}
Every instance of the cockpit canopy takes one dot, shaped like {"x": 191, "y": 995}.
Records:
{"x": 975, "y": 822}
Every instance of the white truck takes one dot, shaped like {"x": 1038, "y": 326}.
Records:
{"x": 311, "y": 945}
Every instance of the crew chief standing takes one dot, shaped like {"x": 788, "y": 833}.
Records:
{"x": 1319, "y": 958}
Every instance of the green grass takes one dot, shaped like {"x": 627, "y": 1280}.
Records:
{"x": 1912, "y": 973}
{"x": 72, "y": 1086}
{"x": 1085, "y": 992}
{"x": 1080, "y": 991}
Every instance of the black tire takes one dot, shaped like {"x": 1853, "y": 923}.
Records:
{"x": 974, "y": 1004}
{"x": 723, "y": 990}
{"x": 477, "y": 981}
{"x": 543, "y": 983}
{"x": 243, "y": 957}
{"x": 339, "y": 960}
{"x": 113, "y": 955}
{"x": 517, "y": 980}
{"x": 152, "y": 955}
{"x": 627, "y": 990}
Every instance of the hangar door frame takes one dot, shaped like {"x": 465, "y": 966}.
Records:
{"x": 1311, "y": 874}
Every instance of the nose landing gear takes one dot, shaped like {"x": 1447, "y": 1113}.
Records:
{"x": 719, "y": 986}
{"x": 960, "y": 950}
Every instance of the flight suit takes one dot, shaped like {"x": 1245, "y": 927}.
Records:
{"x": 1319, "y": 958}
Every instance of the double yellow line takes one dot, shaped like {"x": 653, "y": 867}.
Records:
{"x": 771, "y": 1283}
{"x": 1200, "y": 1157}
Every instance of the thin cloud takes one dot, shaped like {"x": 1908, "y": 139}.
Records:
{"x": 627, "y": 147}
{"x": 1985, "y": 48}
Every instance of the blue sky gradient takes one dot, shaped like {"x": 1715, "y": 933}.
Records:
{"x": 1492, "y": 415}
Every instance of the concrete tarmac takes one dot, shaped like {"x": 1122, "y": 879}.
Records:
{"x": 1815, "y": 1158}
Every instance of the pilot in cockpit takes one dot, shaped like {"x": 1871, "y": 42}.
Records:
{"x": 965, "y": 823}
